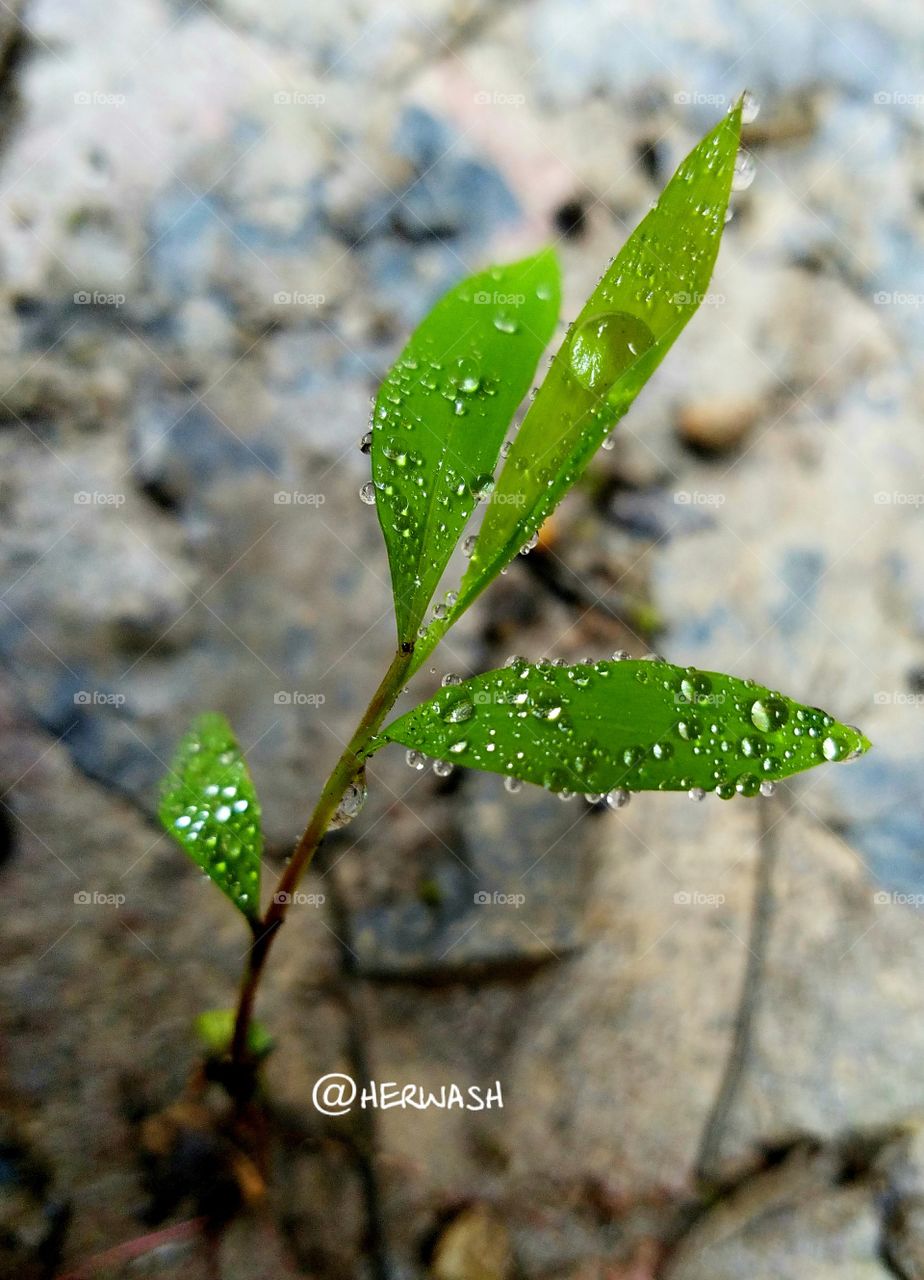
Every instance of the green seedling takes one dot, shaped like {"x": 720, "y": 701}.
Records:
{"x": 602, "y": 729}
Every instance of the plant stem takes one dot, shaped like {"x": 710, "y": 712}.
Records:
{"x": 344, "y": 771}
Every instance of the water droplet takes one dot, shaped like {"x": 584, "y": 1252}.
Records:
{"x": 481, "y": 488}
{"x": 745, "y": 169}
{"x": 834, "y": 748}
{"x": 566, "y": 795}
{"x": 750, "y": 107}
{"x": 618, "y": 798}
{"x": 747, "y": 785}
{"x": 505, "y": 448}
{"x": 767, "y": 788}
{"x": 450, "y": 678}
{"x": 459, "y": 712}
{"x": 621, "y": 655}
{"x": 605, "y": 345}
{"x": 505, "y": 323}
{"x": 367, "y": 493}
{"x": 609, "y": 443}
{"x": 530, "y": 544}
{"x": 442, "y": 768}
{"x": 352, "y": 800}
{"x": 468, "y": 375}
{"x": 697, "y": 794}
{"x": 415, "y": 759}
{"x": 513, "y": 785}
{"x": 593, "y": 797}
{"x": 769, "y": 713}
{"x": 468, "y": 545}
{"x": 365, "y": 443}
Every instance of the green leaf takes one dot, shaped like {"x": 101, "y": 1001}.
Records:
{"x": 641, "y": 726}
{"x": 210, "y": 807}
{"x": 630, "y": 321}
{"x": 441, "y": 414}
{"x": 215, "y": 1028}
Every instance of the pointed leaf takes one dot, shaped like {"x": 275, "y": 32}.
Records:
{"x": 641, "y": 726}
{"x": 210, "y": 807}
{"x": 641, "y": 304}
{"x": 441, "y": 415}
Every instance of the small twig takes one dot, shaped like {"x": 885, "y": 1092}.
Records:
{"x": 137, "y": 1248}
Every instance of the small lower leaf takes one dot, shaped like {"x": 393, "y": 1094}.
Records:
{"x": 210, "y": 807}
{"x": 215, "y": 1028}
{"x": 638, "y": 725}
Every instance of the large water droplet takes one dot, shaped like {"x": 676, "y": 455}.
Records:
{"x": 605, "y": 345}
{"x": 367, "y": 493}
{"x": 750, "y": 107}
{"x": 769, "y": 713}
{"x": 745, "y": 169}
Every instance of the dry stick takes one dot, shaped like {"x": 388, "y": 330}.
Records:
{"x": 761, "y": 919}
{"x": 344, "y": 772}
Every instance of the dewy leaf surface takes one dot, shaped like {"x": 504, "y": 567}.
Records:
{"x": 637, "y": 725}
{"x": 442, "y": 412}
{"x": 641, "y": 304}
{"x": 210, "y": 807}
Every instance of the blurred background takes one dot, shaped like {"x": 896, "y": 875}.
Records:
{"x": 218, "y": 223}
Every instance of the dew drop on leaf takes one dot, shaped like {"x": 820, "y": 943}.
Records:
{"x": 367, "y": 493}
{"x": 605, "y": 345}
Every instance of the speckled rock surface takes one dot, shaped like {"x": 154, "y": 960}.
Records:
{"x": 218, "y": 223}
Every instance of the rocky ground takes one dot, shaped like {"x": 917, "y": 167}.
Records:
{"x": 218, "y": 222}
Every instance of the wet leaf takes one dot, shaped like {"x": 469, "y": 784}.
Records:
{"x": 638, "y": 309}
{"x": 641, "y": 726}
{"x": 442, "y": 412}
{"x": 210, "y": 807}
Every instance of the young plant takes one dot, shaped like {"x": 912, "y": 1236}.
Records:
{"x": 604, "y": 729}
